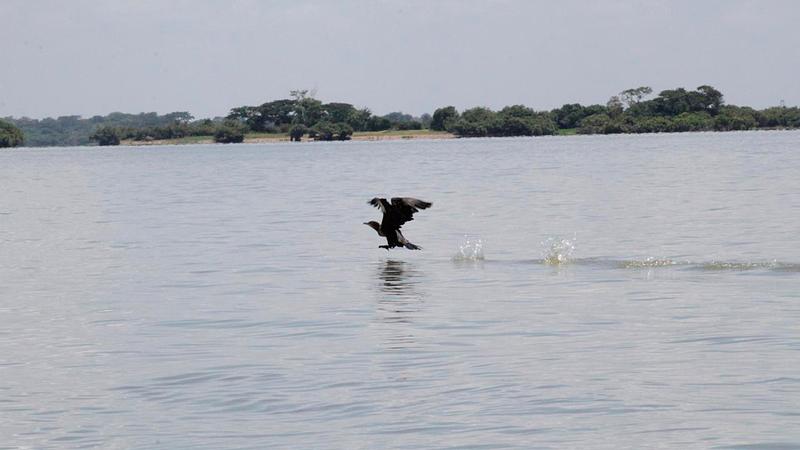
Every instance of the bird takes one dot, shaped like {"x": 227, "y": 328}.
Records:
{"x": 395, "y": 214}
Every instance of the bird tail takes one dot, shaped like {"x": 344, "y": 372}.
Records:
{"x": 411, "y": 246}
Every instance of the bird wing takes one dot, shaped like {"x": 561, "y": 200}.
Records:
{"x": 405, "y": 207}
{"x": 379, "y": 203}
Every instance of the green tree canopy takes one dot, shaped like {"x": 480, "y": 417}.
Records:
{"x": 444, "y": 118}
{"x": 10, "y": 135}
{"x": 633, "y": 96}
{"x": 476, "y": 122}
{"x": 277, "y": 112}
{"x": 339, "y": 112}
{"x": 519, "y": 120}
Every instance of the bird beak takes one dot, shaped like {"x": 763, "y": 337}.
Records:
{"x": 366, "y": 223}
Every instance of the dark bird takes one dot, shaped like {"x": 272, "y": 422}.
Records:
{"x": 395, "y": 214}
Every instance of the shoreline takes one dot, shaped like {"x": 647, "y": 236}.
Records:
{"x": 375, "y": 136}
{"x": 261, "y": 138}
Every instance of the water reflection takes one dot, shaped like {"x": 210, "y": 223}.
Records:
{"x": 399, "y": 301}
{"x": 398, "y": 278}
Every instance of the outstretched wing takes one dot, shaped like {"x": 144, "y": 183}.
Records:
{"x": 379, "y": 203}
{"x": 403, "y": 208}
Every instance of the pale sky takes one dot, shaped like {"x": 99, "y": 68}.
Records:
{"x": 90, "y": 57}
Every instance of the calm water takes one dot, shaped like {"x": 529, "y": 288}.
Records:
{"x": 573, "y": 292}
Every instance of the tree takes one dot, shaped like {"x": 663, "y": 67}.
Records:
{"x": 10, "y": 135}
{"x": 179, "y": 116}
{"x": 308, "y": 111}
{"x": 376, "y": 123}
{"x": 672, "y": 102}
{"x": 412, "y": 125}
{"x": 106, "y": 135}
{"x": 444, "y": 118}
{"x": 476, "y": 122}
{"x": 277, "y": 113}
{"x": 248, "y": 115}
{"x": 568, "y": 115}
{"x": 360, "y": 119}
{"x": 425, "y": 120}
{"x": 398, "y": 117}
{"x": 711, "y": 99}
{"x": 615, "y": 107}
{"x": 633, "y": 96}
{"x": 339, "y": 112}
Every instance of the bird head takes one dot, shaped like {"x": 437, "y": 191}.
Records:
{"x": 374, "y": 225}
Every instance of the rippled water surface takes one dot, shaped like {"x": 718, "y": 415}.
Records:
{"x": 573, "y": 292}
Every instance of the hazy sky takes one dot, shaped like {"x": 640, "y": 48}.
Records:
{"x": 204, "y": 56}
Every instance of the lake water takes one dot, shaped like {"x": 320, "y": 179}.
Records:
{"x": 599, "y": 292}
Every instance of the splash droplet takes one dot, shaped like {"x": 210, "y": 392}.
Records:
{"x": 470, "y": 249}
{"x": 557, "y": 251}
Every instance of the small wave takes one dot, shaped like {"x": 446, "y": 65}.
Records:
{"x": 786, "y": 267}
{"x": 470, "y": 249}
{"x": 743, "y": 266}
{"x": 648, "y": 263}
{"x": 710, "y": 266}
{"x": 557, "y": 251}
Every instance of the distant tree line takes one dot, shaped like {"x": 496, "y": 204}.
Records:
{"x": 74, "y": 130}
{"x": 516, "y": 120}
{"x": 674, "y": 110}
{"x": 303, "y": 116}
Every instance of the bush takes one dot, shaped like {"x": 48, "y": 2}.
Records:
{"x": 735, "y": 118}
{"x": 779, "y": 117}
{"x": 344, "y": 132}
{"x": 230, "y": 132}
{"x": 465, "y": 128}
{"x": 327, "y": 131}
{"x": 205, "y": 127}
{"x": 105, "y": 136}
{"x": 599, "y": 124}
{"x": 655, "y": 124}
{"x": 10, "y": 135}
{"x": 376, "y": 123}
{"x": 296, "y": 132}
{"x": 523, "y": 122}
{"x": 697, "y": 121}
{"x": 413, "y": 125}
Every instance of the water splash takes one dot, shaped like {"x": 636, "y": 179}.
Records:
{"x": 557, "y": 251}
{"x": 470, "y": 249}
{"x": 648, "y": 263}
